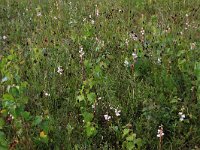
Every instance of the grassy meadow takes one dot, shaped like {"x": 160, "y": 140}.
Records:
{"x": 99, "y": 74}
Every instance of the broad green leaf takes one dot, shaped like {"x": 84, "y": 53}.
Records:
{"x": 88, "y": 116}
{"x": 26, "y": 115}
{"x": 90, "y": 130}
{"x": 138, "y": 142}
{"x": 125, "y": 132}
{"x": 91, "y": 97}
{"x": 14, "y": 91}
{"x": 38, "y": 120}
{"x": 8, "y": 97}
{"x": 10, "y": 57}
{"x": 131, "y": 137}
{"x": 130, "y": 146}
{"x": 80, "y": 98}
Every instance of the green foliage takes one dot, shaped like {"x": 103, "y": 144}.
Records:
{"x": 99, "y": 74}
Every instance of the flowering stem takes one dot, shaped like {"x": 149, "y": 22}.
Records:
{"x": 160, "y": 143}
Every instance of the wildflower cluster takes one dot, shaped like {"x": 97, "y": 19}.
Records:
{"x": 60, "y": 70}
{"x": 160, "y": 133}
{"x": 133, "y": 36}
{"x": 81, "y": 52}
{"x": 134, "y": 56}
{"x": 97, "y": 11}
{"x": 182, "y": 116}
{"x": 116, "y": 111}
{"x": 107, "y": 117}
{"x": 95, "y": 104}
{"x": 142, "y": 31}
{"x": 187, "y": 25}
{"x": 126, "y": 63}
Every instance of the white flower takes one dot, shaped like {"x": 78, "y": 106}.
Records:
{"x": 192, "y": 46}
{"x": 126, "y": 63}
{"x": 159, "y": 60}
{"x": 160, "y": 135}
{"x": 126, "y": 42}
{"x": 55, "y": 18}
{"x": 133, "y": 36}
{"x": 84, "y": 19}
{"x": 180, "y": 113}
{"x": 97, "y": 11}
{"x": 81, "y": 52}
{"x": 142, "y": 31}
{"x": 4, "y": 37}
{"x": 11, "y": 116}
{"x": 46, "y": 94}
{"x": 60, "y": 70}
{"x": 107, "y": 117}
{"x": 92, "y": 21}
{"x": 182, "y": 116}
{"x": 111, "y": 107}
{"x": 181, "y": 119}
{"x": 117, "y": 112}
{"x": 134, "y": 55}
{"x": 93, "y": 106}
{"x": 39, "y": 14}
{"x": 160, "y": 131}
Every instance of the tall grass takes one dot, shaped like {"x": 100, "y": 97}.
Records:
{"x": 99, "y": 74}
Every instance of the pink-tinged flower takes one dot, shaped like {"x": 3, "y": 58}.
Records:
{"x": 160, "y": 133}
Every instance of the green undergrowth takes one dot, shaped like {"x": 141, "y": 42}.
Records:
{"x": 100, "y": 74}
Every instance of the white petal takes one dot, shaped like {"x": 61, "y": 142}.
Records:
{"x": 180, "y": 113}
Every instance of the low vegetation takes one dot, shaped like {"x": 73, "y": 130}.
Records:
{"x": 103, "y": 74}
